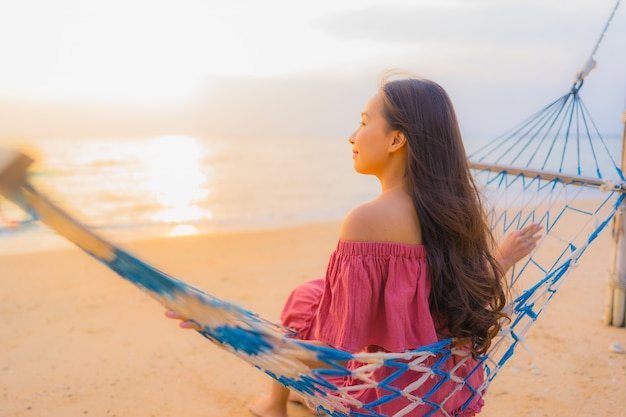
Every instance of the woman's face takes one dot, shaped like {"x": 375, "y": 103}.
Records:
{"x": 370, "y": 142}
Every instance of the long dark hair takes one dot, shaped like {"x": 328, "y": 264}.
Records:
{"x": 468, "y": 290}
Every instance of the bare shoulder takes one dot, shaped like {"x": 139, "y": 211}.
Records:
{"x": 382, "y": 220}
{"x": 360, "y": 223}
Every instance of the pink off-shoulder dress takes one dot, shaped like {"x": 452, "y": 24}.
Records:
{"x": 374, "y": 297}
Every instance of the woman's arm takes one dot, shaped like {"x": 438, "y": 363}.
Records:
{"x": 313, "y": 364}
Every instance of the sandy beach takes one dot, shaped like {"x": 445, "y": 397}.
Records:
{"x": 76, "y": 340}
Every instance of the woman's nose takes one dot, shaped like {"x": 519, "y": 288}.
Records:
{"x": 351, "y": 138}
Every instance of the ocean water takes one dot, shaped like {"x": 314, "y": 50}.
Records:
{"x": 179, "y": 184}
{"x": 172, "y": 185}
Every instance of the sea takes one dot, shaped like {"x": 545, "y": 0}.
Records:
{"x": 161, "y": 186}
{"x": 173, "y": 185}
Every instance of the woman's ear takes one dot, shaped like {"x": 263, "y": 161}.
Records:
{"x": 397, "y": 142}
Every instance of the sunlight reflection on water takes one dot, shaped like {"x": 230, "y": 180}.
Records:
{"x": 174, "y": 174}
{"x": 183, "y": 185}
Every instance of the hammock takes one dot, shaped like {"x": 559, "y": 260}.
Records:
{"x": 10, "y": 225}
{"x": 535, "y": 173}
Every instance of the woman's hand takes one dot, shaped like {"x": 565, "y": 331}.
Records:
{"x": 185, "y": 323}
{"x": 518, "y": 244}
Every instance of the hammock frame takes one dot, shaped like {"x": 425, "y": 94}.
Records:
{"x": 615, "y": 301}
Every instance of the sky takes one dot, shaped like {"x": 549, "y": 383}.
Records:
{"x": 75, "y": 68}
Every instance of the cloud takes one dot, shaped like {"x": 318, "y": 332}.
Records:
{"x": 480, "y": 22}
{"x": 500, "y": 61}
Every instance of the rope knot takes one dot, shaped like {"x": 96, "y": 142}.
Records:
{"x": 609, "y": 186}
{"x": 580, "y": 75}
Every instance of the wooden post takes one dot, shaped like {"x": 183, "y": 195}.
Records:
{"x": 615, "y": 303}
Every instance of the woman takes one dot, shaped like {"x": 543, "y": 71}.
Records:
{"x": 416, "y": 264}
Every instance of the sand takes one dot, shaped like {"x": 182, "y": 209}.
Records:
{"x": 76, "y": 340}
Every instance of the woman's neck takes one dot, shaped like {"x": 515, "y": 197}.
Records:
{"x": 393, "y": 176}
{"x": 392, "y": 183}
